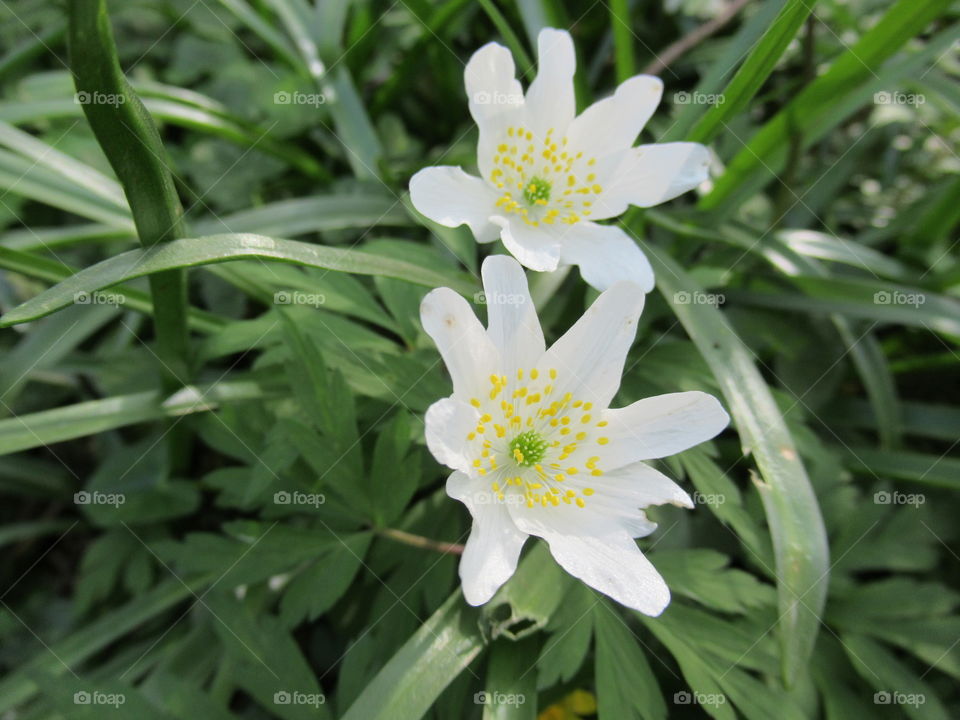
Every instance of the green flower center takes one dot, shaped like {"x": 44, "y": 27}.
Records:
{"x": 528, "y": 448}
{"x": 537, "y": 192}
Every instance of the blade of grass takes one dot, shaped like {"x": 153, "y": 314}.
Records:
{"x": 754, "y": 71}
{"x": 190, "y": 252}
{"x": 95, "y": 416}
{"x": 833, "y": 96}
{"x": 54, "y": 272}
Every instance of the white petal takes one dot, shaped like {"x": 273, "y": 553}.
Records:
{"x": 613, "y": 124}
{"x": 495, "y": 97}
{"x": 512, "y": 322}
{"x": 589, "y": 358}
{"x": 464, "y": 344}
{"x": 449, "y": 196}
{"x": 659, "y": 426}
{"x": 491, "y": 84}
{"x": 606, "y": 255}
{"x": 550, "y": 101}
{"x": 652, "y": 174}
{"x": 627, "y": 489}
{"x": 448, "y": 422}
{"x": 535, "y": 247}
{"x": 491, "y": 553}
{"x": 605, "y": 557}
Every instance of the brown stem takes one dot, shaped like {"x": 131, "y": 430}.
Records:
{"x": 418, "y": 541}
{"x": 693, "y": 38}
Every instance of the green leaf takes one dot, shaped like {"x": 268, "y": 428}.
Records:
{"x": 53, "y": 271}
{"x": 509, "y": 689}
{"x": 190, "y": 252}
{"x": 894, "y": 683}
{"x": 429, "y": 661}
{"x": 754, "y": 71}
{"x": 131, "y": 143}
{"x": 704, "y": 576}
{"x": 95, "y": 416}
{"x": 934, "y": 470}
{"x": 269, "y": 664}
{"x": 799, "y": 537}
{"x": 83, "y": 644}
{"x": 571, "y": 629}
{"x": 626, "y": 686}
{"x": 525, "y": 604}
{"x": 314, "y": 590}
{"x": 830, "y": 98}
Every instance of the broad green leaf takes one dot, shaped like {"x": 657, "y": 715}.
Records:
{"x": 799, "y": 537}
{"x": 412, "y": 679}
{"x": 509, "y": 689}
{"x": 96, "y": 416}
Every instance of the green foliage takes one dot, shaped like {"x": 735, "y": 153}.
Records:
{"x": 217, "y": 498}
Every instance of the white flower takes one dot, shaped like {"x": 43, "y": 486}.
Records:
{"x": 546, "y": 175}
{"x": 535, "y": 448}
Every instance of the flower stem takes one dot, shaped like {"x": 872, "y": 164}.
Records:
{"x": 418, "y": 541}
{"x": 129, "y": 139}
